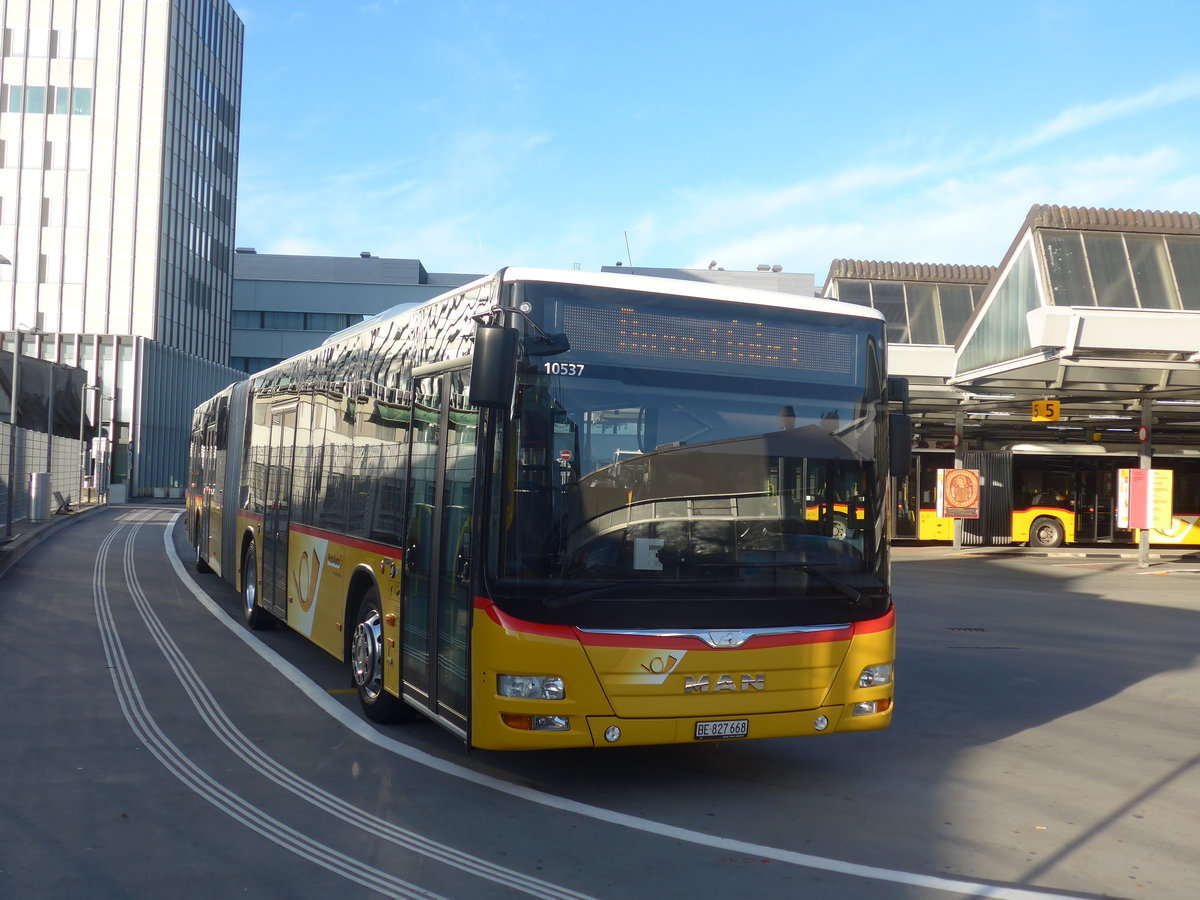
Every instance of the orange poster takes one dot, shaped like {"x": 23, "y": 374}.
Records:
{"x": 958, "y": 493}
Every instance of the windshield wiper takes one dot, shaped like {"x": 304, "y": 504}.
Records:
{"x": 846, "y": 590}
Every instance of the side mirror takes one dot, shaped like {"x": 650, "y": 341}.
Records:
{"x": 493, "y": 366}
{"x": 899, "y": 444}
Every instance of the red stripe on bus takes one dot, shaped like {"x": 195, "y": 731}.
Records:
{"x": 566, "y": 632}
{"x": 355, "y": 543}
{"x": 886, "y": 622}
{"x": 510, "y": 623}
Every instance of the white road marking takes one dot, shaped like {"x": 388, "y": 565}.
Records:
{"x": 355, "y": 724}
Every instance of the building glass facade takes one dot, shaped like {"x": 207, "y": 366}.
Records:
{"x": 923, "y": 304}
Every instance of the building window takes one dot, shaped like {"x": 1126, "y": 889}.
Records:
{"x": 283, "y": 321}
{"x": 15, "y": 101}
{"x": 329, "y": 321}
{"x": 246, "y": 318}
{"x": 62, "y": 100}
{"x": 35, "y": 99}
{"x": 250, "y": 364}
{"x": 81, "y": 101}
{"x": 1185, "y": 260}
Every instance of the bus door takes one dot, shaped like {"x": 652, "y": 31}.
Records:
{"x": 277, "y": 510}
{"x": 208, "y": 485}
{"x": 1094, "y": 519}
{"x": 437, "y": 604}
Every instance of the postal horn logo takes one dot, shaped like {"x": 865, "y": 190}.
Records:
{"x": 304, "y": 578}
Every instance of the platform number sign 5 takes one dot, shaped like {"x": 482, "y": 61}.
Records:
{"x": 1045, "y": 411}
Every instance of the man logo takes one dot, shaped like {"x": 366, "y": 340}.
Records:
{"x": 705, "y": 684}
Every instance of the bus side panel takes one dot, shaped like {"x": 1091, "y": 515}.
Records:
{"x": 933, "y": 527}
{"x": 1023, "y": 519}
{"x": 321, "y": 567}
{"x": 216, "y": 520}
{"x": 1183, "y": 530}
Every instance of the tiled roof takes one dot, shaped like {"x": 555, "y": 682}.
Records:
{"x": 907, "y": 271}
{"x": 1090, "y": 218}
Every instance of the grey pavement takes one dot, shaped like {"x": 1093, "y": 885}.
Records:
{"x": 27, "y": 534}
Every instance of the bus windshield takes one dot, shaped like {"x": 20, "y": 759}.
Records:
{"x": 635, "y": 496}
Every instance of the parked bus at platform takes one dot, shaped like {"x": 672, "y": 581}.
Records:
{"x": 558, "y": 509}
{"x": 1045, "y": 495}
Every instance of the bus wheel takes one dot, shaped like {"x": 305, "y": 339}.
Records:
{"x": 254, "y": 615}
{"x": 840, "y": 528}
{"x": 366, "y": 664}
{"x": 201, "y": 564}
{"x": 1046, "y": 532}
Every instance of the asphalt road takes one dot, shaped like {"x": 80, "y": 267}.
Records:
{"x": 1045, "y": 743}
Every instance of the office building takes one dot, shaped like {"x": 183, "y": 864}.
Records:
{"x": 284, "y": 305}
{"x": 118, "y": 177}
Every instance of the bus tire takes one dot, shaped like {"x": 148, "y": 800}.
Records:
{"x": 366, "y": 664}
{"x": 253, "y": 614}
{"x": 840, "y": 528}
{"x": 202, "y": 565}
{"x": 1046, "y": 531}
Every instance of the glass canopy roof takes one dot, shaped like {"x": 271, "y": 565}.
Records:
{"x": 923, "y": 304}
{"x": 1084, "y": 258}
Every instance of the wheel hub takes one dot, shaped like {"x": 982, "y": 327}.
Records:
{"x": 366, "y": 658}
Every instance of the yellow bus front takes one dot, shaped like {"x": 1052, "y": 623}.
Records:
{"x": 539, "y": 686}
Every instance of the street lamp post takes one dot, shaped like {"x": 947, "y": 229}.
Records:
{"x": 12, "y": 423}
{"x": 14, "y": 394}
{"x": 83, "y": 454}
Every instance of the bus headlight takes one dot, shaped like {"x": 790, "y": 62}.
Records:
{"x": 531, "y": 687}
{"x": 874, "y": 676}
{"x": 870, "y": 707}
{"x": 536, "y": 723}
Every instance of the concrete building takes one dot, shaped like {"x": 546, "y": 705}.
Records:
{"x": 284, "y": 305}
{"x": 118, "y": 175}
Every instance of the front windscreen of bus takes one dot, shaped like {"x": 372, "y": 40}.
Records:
{"x": 637, "y": 496}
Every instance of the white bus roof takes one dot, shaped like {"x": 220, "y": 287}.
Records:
{"x": 647, "y": 284}
{"x": 705, "y": 290}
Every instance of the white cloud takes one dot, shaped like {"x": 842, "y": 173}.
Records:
{"x": 1083, "y": 117}
{"x": 960, "y": 218}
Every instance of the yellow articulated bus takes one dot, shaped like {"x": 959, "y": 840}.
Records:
{"x": 1047, "y": 495}
{"x": 558, "y": 509}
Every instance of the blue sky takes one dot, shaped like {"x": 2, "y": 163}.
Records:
{"x": 473, "y": 135}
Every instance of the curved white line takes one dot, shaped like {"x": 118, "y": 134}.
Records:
{"x": 355, "y": 724}
{"x": 146, "y": 728}
{"x": 232, "y": 737}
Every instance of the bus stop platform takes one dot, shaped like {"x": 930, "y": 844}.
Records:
{"x": 1182, "y": 558}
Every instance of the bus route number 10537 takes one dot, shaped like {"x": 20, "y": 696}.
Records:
{"x": 563, "y": 368}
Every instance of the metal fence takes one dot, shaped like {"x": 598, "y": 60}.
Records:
{"x": 30, "y": 456}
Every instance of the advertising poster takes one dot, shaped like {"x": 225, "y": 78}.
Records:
{"x": 958, "y": 493}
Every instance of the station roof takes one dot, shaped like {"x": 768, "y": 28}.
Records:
{"x": 1098, "y": 308}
